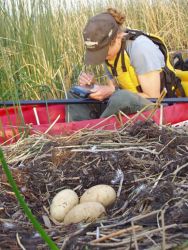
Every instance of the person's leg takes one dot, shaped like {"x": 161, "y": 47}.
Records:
{"x": 79, "y": 112}
{"x": 125, "y": 101}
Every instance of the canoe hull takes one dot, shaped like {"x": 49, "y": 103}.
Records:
{"x": 41, "y": 119}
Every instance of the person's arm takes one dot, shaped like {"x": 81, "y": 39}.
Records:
{"x": 150, "y": 83}
{"x": 147, "y": 60}
{"x": 101, "y": 92}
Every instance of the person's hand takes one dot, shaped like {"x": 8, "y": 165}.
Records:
{"x": 86, "y": 79}
{"x": 101, "y": 92}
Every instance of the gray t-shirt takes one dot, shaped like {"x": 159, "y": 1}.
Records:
{"x": 145, "y": 56}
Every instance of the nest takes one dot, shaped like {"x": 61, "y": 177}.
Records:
{"x": 144, "y": 163}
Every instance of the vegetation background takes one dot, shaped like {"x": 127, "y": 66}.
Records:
{"x": 41, "y": 46}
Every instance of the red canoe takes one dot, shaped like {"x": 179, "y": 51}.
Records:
{"x": 51, "y": 119}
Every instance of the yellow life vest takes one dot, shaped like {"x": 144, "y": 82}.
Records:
{"x": 183, "y": 75}
{"x": 125, "y": 79}
{"x": 126, "y": 76}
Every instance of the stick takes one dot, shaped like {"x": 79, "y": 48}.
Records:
{"x": 36, "y": 116}
{"x": 117, "y": 233}
{"x": 19, "y": 242}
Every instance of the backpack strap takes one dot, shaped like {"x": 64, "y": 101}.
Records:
{"x": 123, "y": 66}
{"x": 172, "y": 83}
{"x": 130, "y": 35}
{"x": 133, "y": 34}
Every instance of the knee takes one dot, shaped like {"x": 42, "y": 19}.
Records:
{"x": 121, "y": 97}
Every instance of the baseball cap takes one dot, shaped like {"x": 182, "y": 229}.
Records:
{"x": 98, "y": 33}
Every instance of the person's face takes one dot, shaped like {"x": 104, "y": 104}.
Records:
{"x": 114, "y": 48}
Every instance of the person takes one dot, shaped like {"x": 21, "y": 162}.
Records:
{"x": 135, "y": 64}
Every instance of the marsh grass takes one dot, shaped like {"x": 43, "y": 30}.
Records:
{"x": 41, "y": 47}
